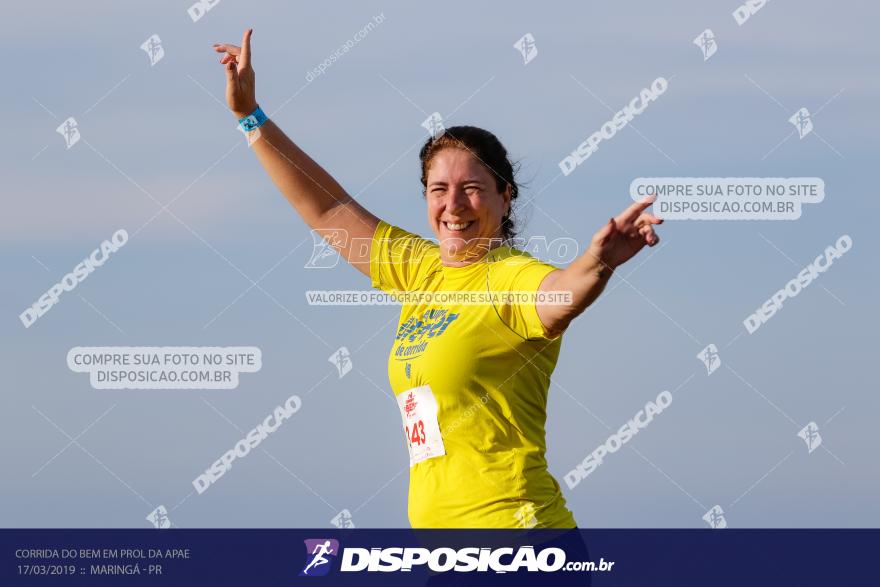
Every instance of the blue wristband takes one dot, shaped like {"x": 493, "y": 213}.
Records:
{"x": 254, "y": 120}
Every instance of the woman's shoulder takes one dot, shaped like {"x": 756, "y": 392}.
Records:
{"x": 395, "y": 235}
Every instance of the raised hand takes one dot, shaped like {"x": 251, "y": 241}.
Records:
{"x": 624, "y": 236}
{"x": 240, "y": 89}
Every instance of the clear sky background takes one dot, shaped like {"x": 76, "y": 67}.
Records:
{"x": 153, "y": 135}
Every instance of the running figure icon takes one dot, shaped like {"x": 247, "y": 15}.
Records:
{"x": 319, "y": 552}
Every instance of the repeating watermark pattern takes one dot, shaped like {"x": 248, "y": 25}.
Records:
{"x": 319, "y": 554}
{"x": 166, "y": 367}
{"x": 559, "y": 250}
{"x": 802, "y": 121}
{"x": 98, "y": 257}
{"x": 251, "y": 136}
{"x": 715, "y": 518}
{"x": 244, "y": 446}
{"x": 607, "y": 131}
{"x": 342, "y": 360}
{"x": 795, "y": 286}
{"x": 359, "y": 36}
{"x": 326, "y": 243}
{"x": 419, "y": 297}
{"x": 747, "y": 10}
{"x": 153, "y": 48}
{"x": 810, "y": 435}
{"x": 343, "y": 520}
{"x": 324, "y": 255}
{"x": 707, "y": 44}
{"x": 527, "y": 47}
{"x": 434, "y": 125}
{"x": 623, "y": 435}
{"x": 466, "y": 414}
{"x": 525, "y": 516}
{"x": 69, "y": 129}
{"x": 201, "y": 8}
{"x": 710, "y": 357}
{"x": 159, "y": 518}
{"x": 729, "y": 198}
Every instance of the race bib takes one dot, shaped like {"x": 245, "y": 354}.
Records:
{"x": 418, "y": 408}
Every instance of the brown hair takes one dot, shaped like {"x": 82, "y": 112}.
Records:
{"x": 488, "y": 150}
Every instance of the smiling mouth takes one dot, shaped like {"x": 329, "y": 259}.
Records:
{"x": 458, "y": 226}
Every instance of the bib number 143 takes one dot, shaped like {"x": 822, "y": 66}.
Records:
{"x": 418, "y": 409}
{"x": 418, "y": 433}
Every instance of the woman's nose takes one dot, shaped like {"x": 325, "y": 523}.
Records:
{"x": 457, "y": 200}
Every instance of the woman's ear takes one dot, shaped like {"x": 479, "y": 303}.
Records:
{"x": 507, "y": 197}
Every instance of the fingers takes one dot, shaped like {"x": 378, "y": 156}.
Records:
{"x": 633, "y": 211}
{"x": 645, "y": 225}
{"x": 246, "y": 48}
{"x": 647, "y": 218}
{"x": 647, "y": 231}
{"x": 231, "y": 52}
{"x": 224, "y": 48}
{"x": 231, "y": 73}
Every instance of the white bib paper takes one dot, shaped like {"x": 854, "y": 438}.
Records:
{"x": 418, "y": 409}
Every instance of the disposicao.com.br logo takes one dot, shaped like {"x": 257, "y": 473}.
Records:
{"x": 320, "y": 553}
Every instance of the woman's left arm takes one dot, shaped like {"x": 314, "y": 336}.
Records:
{"x": 613, "y": 245}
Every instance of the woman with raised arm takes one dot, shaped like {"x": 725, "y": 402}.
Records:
{"x": 471, "y": 379}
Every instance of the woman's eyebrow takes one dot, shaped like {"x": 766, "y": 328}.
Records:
{"x": 440, "y": 182}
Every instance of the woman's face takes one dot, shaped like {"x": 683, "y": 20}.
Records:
{"x": 464, "y": 206}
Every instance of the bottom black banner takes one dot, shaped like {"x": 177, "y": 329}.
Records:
{"x": 439, "y": 557}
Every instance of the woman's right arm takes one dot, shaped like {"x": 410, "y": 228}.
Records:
{"x": 317, "y": 197}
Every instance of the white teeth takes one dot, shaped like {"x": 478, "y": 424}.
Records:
{"x": 452, "y": 226}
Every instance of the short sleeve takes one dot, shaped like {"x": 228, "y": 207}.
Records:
{"x": 522, "y": 273}
{"x": 399, "y": 260}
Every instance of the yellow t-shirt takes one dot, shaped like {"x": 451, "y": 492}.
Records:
{"x": 471, "y": 382}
